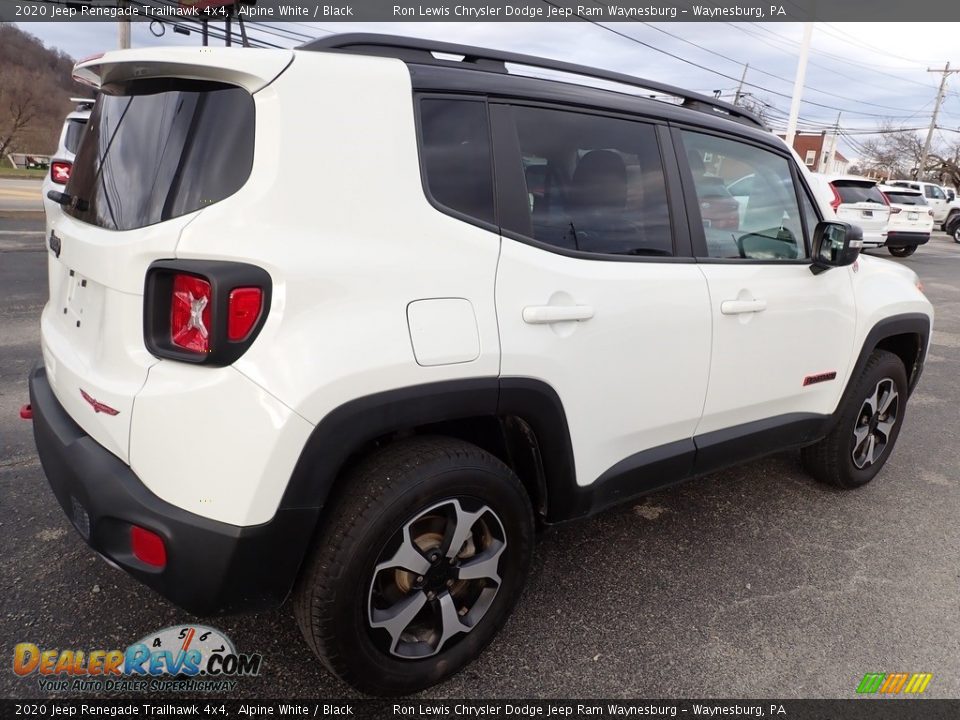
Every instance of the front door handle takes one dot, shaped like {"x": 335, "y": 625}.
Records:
{"x": 738, "y": 307}
{"x": 545, "y": 314}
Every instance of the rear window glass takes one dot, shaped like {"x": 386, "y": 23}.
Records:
{"x": 159, "y": 149}
{"x": 71, "y": 139}
{"x": 905, "y": 198}
{"x": 854, "y": 192}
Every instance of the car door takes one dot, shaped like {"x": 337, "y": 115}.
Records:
{"x": 937, "y": 199}
{"x": 597, "y": 294}
{"x": 782, "y": 335}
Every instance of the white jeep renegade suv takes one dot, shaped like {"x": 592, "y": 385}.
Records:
{"x": 357, "y": 371}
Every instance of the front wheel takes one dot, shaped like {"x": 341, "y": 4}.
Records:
{"x": 903, "y": 251}
{"x": 866, "y": 430}
{"x": 418, "y": 566}
{"x": 955, "y": 233}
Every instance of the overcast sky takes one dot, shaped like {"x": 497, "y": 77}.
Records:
{"x": 849, "y": 69}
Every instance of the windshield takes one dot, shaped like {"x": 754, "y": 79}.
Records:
{"x": 857, "y": 192}
{"x": 158, "y": 149}
{"x": 71, "y": 138}
{"x": 905, "y": 198}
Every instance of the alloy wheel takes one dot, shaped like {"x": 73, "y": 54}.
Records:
{"x": 437, "y": 579}
{"x": 875, "y": 422}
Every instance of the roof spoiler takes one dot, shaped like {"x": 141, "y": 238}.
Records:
{"x": 249, "y": 69}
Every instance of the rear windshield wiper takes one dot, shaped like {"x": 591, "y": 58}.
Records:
{"x": 67, "y": 200}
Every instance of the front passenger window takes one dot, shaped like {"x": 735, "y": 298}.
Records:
{"x": 747, "y": 200}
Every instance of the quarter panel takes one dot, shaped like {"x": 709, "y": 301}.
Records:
{"x": 344, "y": 229}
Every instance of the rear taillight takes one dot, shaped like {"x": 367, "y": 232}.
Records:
{"x": 191, "y": 306}
{"x": 60, "y": 171}
{"x": 895, "y": 210}
{"x": 204, "y": 311}
{"x": 243, "y": 311}
{"x": 835, "y": 203}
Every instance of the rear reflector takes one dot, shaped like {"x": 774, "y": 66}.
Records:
{"x": 148, "y": 547}
{"x": 26, "y": 412}
{"x": 60, "y": 172}
{"x": 190, "y": 313}
{"x": 243, "y": 311}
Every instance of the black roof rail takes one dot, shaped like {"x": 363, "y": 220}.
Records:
{"x": 416, "y": 50}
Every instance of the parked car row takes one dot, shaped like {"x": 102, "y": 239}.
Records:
{"x": 899, "y": 215}
{"x": 61, "y": 162}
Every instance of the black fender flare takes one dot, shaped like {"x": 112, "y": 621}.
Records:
{"x": 350, "y": 426}
{"x": 903, "y": 324}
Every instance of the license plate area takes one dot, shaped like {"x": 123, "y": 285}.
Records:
{"x": 73, "y": 304}
{"x": 80, "y": 312}
{"x": 866, "y": 213}
{"x": 912, "y": 216}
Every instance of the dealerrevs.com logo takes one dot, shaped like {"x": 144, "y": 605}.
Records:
{"x": 184, "y": 658}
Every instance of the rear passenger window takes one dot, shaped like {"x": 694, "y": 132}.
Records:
{"x": 455, "y": 151}
{"x": 593, "y": 184}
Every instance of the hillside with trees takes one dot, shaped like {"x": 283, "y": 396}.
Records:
{"x": 35, "y": 91}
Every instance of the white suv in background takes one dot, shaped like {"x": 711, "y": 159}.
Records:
{"x": 858, "y": 200}
{"x": 61, "y": 162}
{"x": 505, "y": 300}
{"x": 911, "y": 220}
{"x": 944, "y": 209}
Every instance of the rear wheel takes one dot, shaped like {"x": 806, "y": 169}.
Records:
{"x": 903, "y": 251}
{"x": 867, "y": 428}
{"x": 955, "y": 232}
{"x": 418, "y": 567}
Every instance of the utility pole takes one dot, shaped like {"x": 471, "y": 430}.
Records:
{"x": 123, "y": 31}
{"x": 826, "y": 157}
{"x": 798, "y": 82}
{"x": 933, "y": 120}
{"x": 736, "y": 98}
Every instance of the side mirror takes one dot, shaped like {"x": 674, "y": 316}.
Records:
{"x": 835, "y": 244}
{"x": 951, "y": 196}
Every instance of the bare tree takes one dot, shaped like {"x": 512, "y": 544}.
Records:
{"x": 893, "y": 153}
{"x": 19, "y": 107}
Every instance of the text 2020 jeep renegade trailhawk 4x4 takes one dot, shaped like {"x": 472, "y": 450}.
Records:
{"x": 342, "y": 322}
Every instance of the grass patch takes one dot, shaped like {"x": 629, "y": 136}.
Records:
{"x": 23, "y": 174}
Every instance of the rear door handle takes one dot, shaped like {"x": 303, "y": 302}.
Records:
{"x": 545, "y": 314}
{"x": 738, "y": 307}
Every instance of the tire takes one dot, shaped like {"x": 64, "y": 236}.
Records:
{"x": 419, "y": 496}
{"x": 903, "y": 251}
{"x": 947, "y": 221}
{"x": 955, "y": 232}
{"x": 844, "y": 458}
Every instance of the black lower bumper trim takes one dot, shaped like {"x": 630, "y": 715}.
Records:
{"x": 906, "y": 239}
{"x": 212, "y": 567}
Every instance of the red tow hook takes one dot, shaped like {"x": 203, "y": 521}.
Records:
{"x": 26, "y": 412}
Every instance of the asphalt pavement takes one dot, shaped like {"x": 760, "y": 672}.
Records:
{"x": 753, "y": 582}
{"x": 20, "y": 195}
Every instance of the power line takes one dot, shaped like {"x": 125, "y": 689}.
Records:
{"x": 752, "y": 33}
{"x": 717, "y": 72}
{"x": 764, "y": 72}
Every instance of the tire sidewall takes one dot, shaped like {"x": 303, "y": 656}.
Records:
{"x": 434, "y": 484}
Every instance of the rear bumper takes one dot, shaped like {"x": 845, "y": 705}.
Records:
{"x": 212, "y": 567}
{"x": 896, "y": 239}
